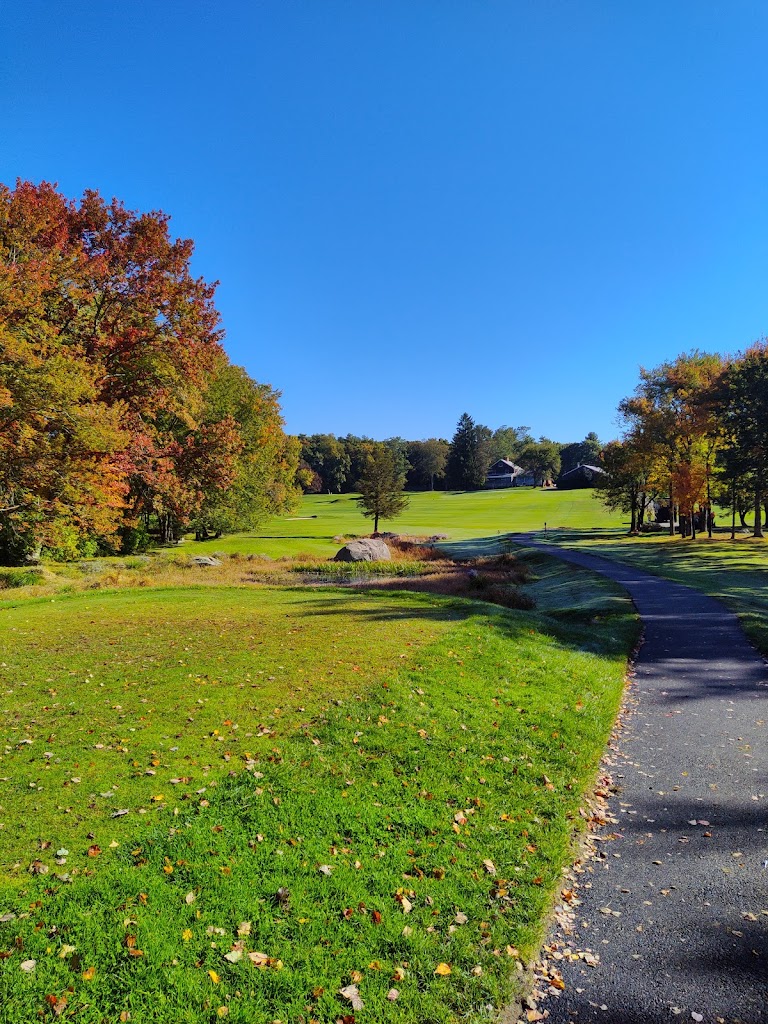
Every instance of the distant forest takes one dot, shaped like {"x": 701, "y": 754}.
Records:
{"x": 336, "y": 464}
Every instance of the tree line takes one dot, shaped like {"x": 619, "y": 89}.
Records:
{"x": 120, "y": 415}
{"x": 695, "y": 436}
{"x": 338, "y": 464}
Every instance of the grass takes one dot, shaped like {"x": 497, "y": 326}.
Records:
{"x": 460, "y": 515}
{"x": 429, "y": 754}
{"x": 736, "y": 572}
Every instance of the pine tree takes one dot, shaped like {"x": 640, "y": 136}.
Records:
{"x": 469, "y": 457}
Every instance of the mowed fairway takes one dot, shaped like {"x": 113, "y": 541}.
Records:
{"x": 324, "y": 788}
{"x": 460, "y": 515}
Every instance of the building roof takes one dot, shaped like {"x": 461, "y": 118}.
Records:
{"x": 506, "y": 462}
{"x": 583, "y": 466}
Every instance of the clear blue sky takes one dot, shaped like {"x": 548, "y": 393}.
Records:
{"x": 418, "y": 208}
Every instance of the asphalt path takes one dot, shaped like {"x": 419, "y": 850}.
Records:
{"x": 676, "y": 905}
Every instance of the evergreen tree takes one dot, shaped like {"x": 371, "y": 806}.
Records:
{"x": 470, "y": 455}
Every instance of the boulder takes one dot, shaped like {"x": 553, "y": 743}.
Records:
{"x": 364, "y": 550}
{"x": 205, "y": 561}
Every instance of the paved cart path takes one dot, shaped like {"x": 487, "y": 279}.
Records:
{"x": 689, "y": 940}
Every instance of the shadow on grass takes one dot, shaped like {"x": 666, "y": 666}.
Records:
{"x": 607, "y": 631}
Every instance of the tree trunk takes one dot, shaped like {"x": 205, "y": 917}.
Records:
{"x": 758, "y": 529}
{"x": 733, "y": 509}
{"x": 633, "y": 513}
{"x": 376, "y": 523}
{"x": 671, "y": 512}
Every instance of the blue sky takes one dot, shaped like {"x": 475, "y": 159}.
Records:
{"x": 425, "y": 207}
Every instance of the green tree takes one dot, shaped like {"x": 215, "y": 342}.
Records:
{"x": 470, "y": 455}
{"x": 743, "y": 408}
{"x": 542, "y": 458}
{"x": 625, "y": 487}
{"x": 580, "y": 453}
{"x": 508, "y": 442}
{"x": 381, "y": 485}
{"x": 327, "y": 456}
{"x": 428, "y": 460}
{"x": 264, "y": 459}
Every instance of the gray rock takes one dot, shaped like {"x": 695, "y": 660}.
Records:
{"x": 365, "y": 550}
{"x": 205, "y": 561}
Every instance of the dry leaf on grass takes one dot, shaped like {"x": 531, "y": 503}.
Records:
{"x": 353, "y": 995}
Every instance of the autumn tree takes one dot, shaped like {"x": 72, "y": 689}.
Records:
{"x": 261, "y": 459}
{"x": 673, "y": 412}
{"x": 108, "y": 346}
{"x": 469, "y": 456}
{"x": 63, "y": 466}
{"x": 381, "y": 485}
{"x": 627, "y": 485}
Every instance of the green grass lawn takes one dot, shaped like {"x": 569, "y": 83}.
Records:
{"x": 460, "y": 515}
{"x": 734, "y": 571}
{"x": 323, "y": 788}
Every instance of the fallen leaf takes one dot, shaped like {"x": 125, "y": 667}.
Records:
{"x": 393, "y": 995}
{"x": 325, "y": 869}
{"x": 214, "y": 977}
{"x": 490, "y": 867}
{"x": 190, "y": 897}
{"x": 352, "y": 994}
{"x": 94, "y": 851}
{"x": 461, "y": 918}
{"x": 244, "y": 928}
{"x": 186, "y": 934}
{"x": 28, "y": 966}
{"x": 57, "y": 1003}
{"x": 443, "y": 970}
{"x": 89, "y": 974}
{"x": 234, "y": 955}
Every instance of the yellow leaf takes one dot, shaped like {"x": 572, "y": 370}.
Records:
{"x": 158, "y": 798}
{"x": 443, "y": 970}
{"x": 168, "y": 869}
{"x": 186, "y": 934}
{"x": 214, "y": 977}
{"x": 89, "y": 974}
{"x": 222, "y": 1011}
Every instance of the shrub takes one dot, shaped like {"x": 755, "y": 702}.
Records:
{"x": 10, "y": 579}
